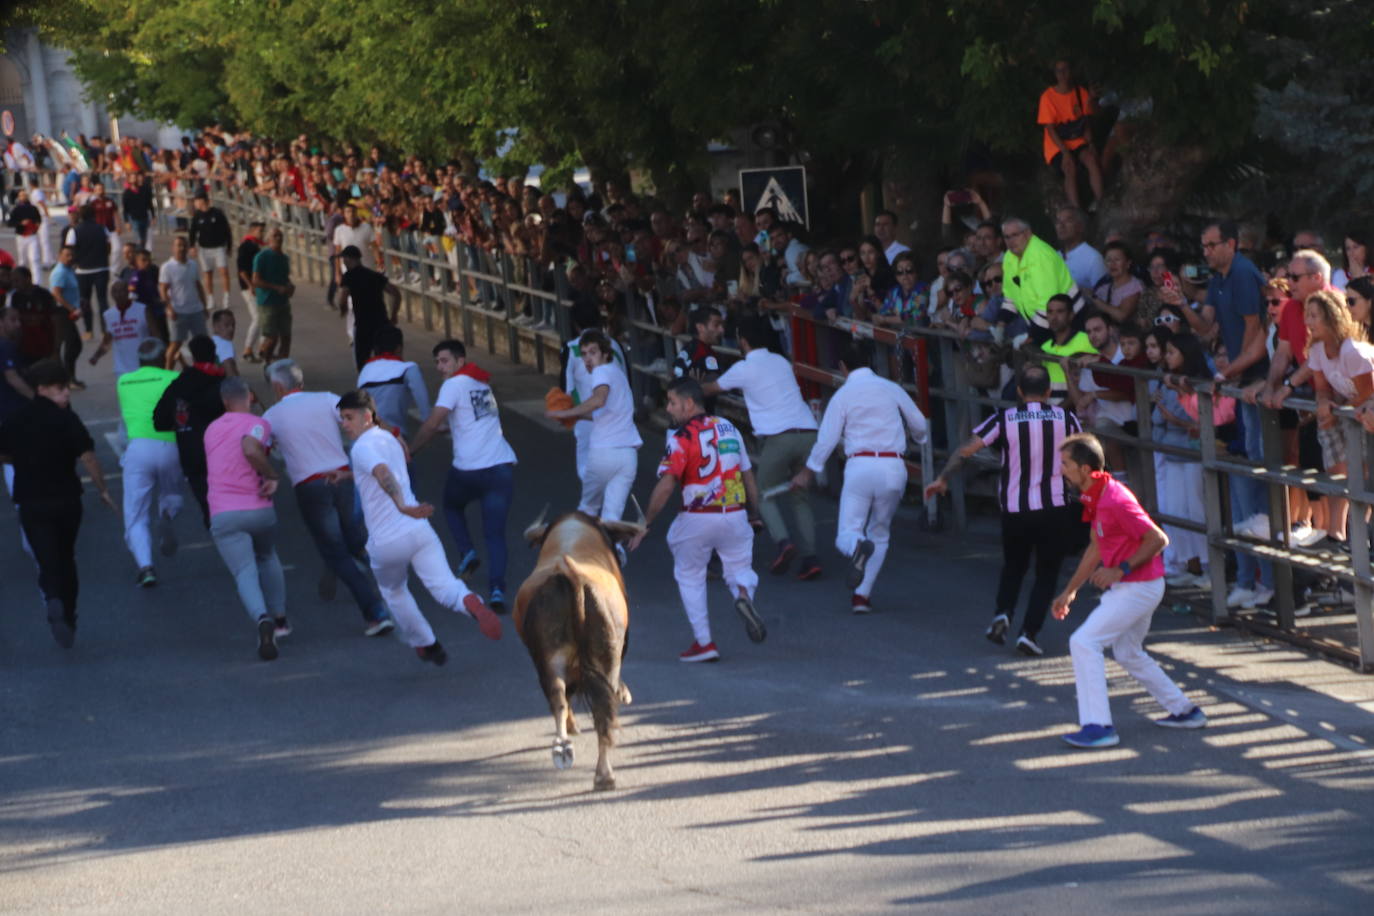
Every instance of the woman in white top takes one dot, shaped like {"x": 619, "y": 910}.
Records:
{"x": 1118, "y": 293}
{"x": 612, "y": 452}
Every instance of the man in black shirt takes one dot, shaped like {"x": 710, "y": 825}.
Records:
{"x": 210, "y": 238}
{"x": 376, "y": 301}
{"x": 190, "y": 404}
{"x": 44, "y": 440}
{"x": 27, "y": 223}
{"x": 698, "y": 359}
{"x": 42, "y": 324}
{"x": 90, "y": 245}
{"x": 248, "y": 249}
{"x": 137, "y": 204}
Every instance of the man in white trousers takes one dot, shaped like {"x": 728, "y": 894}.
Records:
{"x": 613, "y": 447}
{"x": 873, "y": 417}
{"x": 398, "y": 535}
{"x": 577, "y": 382}
{"x": 706, "y": 455}
{"x": 1124, "y": 560}
{"x": 150, "y": 462}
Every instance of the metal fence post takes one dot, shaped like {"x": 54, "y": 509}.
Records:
{"x": 1358, "y": 487}
{"x": 955, "y": 426}
{"x": 1211, "y": 490}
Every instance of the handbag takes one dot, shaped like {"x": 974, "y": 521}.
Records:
{"x": 1073, "y": 130}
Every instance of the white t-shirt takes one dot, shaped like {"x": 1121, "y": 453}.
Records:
{"x": 181, "y": 279}
{"x": 224, "y": 349}
{"x": 384, "y": 520}
{"x": 613, "y": 425}
{"x": 1355, "y": 359}
{"x": 891, "y": 251}
{"x": 305, "y": 427}
{"x": 770, "y": 392}
{"x": 128, "y": 331}
{"x": 475, "y": 423}
{"x": 869, "y": 414}
{"x": 360, "y": 235}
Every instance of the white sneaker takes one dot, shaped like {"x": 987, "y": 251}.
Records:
{"x": 1203, "y": 581}
{"x": 1260, "y": 597}
{"x": 1240, "y": 597}
{"x": 1313, "y": 537}
{"x": 1256, "y": 526}
{"x": 1180, "y": 580}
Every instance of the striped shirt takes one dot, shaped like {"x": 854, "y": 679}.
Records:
{"x": 1029, "y": 437}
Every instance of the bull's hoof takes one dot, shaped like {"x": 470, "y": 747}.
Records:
{"x": 603, "y": 783}
{"x": 562, "y": 755}
{"x": 625, "y": 694}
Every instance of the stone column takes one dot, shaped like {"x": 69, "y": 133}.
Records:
{"x": 38, "y": 78}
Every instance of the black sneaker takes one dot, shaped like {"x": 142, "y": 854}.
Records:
{"x": 267, "y": 639}
{"x": 167, "y": 536}
{"x": 858, "y": 562}
{"x": 753, "y": 623}
{"x": 1027, "y": 646}
{"x": 997, "y": 631}
{"x": 63, "y": 628}
{"x": 283, "y": 628}
{"x": 432, "y": 653}
{"x": 147, "y": 577}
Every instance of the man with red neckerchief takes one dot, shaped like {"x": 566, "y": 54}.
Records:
{"x": 1124, "y": 559}
{"x": 707, "y": 456}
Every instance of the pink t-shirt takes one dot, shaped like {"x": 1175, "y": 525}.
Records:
{"x": 233, "y": 484}
{"x": 1120, "y": 524}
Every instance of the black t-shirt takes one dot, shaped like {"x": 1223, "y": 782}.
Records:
{"x": 10, "y": 400}
{"x": 44, "y": 441}
{"x": 248, "y": 250}
{"x": 365, "y": 287}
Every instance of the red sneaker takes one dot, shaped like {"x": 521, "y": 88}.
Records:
{"x": 487, "y": 622}
{"x": 700, "y": 653}
{"x": 810, "y": 569}
{"x": 859, "y": 604}
{"x": 786, "y": 552}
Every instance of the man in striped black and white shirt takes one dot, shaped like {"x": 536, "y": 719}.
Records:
{"x": 1037, "y": 515}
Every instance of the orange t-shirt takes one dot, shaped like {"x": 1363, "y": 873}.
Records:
{"x": 1061, "y": 108}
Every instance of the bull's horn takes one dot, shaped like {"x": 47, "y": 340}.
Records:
{"x": 642, "y": 519}
{"x": 542, "y": 515}
{"x": 535, "y": 532}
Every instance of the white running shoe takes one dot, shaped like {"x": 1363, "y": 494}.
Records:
{"x": 1260, "y": 597}
{"x": 1241, "y": 597}
{"x": 1312, "y": 538}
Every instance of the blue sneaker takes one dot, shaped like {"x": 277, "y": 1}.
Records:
{"x": 470, "y": 563}
{"x": 497, "y": 601}
{"x": 1094, "y": 736}
{"x": 1193, "y": 718}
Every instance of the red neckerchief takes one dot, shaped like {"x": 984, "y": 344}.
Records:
{"x": 392, "y": 356}
{"x": 1092, "y": 493}
{"x": 209, "y": 369}
{"x": 470, "y": 369}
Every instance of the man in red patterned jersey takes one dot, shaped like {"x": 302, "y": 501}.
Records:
{"x": 706, "y": 455}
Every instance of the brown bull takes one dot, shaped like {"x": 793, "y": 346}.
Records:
{"x": 573, "y": 616}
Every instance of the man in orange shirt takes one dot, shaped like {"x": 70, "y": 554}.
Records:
{"x": 1064, "y": 111}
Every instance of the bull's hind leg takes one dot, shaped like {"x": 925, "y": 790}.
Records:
{"x": 605, "y": 778}
{"x": 572, "y": 721}
{"x": 562, "y": 714}
{"x": 625, "y": 694}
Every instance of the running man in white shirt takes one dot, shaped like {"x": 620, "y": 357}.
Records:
{"x": 873, "y": 417}
{"x": 577, "y": 382}
{"x": 706, "y": 455}
{"x": 305, "y": 425}
{"x": 398, "y": 535}
{"x": 483, "y": 467}
{"x": 612, "y": 450}
{"x": 787, "y": 430}
{"x": 223, "y": 324}
{"x": 126, "y": 325}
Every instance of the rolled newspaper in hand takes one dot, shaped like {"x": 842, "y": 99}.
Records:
{"x": 776, "y": 490}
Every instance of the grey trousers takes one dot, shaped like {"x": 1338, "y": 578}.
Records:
{"x": 245, "y": 540}
{"x": 780, "y": 458}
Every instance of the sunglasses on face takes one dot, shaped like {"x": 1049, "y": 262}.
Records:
{"x": 904, "y": 271}
{"x": 1166, "y": 319}
{"x": 956, "y": 290}
{"x": 1274, "y": 300}
{"x": 996, "y": 278}
{"x": 848, "y": 259}
{"x": 1295, "y": 277}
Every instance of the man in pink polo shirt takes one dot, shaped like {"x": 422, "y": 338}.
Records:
{"x": 1124, "y": 559}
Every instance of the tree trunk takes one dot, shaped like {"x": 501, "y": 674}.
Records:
{"x": 833, "y": 189}
{"x": 1149, "y": 189}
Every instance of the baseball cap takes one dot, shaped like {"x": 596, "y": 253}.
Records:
{"x": 150, "y": 348}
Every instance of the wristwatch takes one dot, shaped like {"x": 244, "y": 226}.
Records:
{"x": 1125, "y": 568}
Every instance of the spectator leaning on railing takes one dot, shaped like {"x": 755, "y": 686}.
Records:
{"x": 1033, "y": 272}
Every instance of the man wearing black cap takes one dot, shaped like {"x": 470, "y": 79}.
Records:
{"x": 376, "y": 301}
{"x": 210, "y": 237}
{"x": 243, "y": 263}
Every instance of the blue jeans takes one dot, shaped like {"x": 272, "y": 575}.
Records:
{"x": 493, "y": 486}
{"x": 327, "y": 509}
{"x": 1249, "y": 496}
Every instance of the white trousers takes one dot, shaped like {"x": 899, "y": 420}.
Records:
{"x": 1120, "y": 622}
{"x": 872, "y": 490}
{"x": 148, "y": 463}
{"x": 606, "y": 481}
{"x": 31, "y": 254}
{"x": 582, "y": 435}
{"x": 691, "y": 538}
{"x": 392, "y": 561}
{"x": 251, "y": 336}
{"x": 1180, "y": 495}
{"x": 45, "y": 242}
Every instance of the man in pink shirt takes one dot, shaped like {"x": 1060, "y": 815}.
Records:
{"x": 241, "y": 482}
{"x": 1124, "y": 560}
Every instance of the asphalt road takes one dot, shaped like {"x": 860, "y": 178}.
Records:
{"x": 896, "y": 761}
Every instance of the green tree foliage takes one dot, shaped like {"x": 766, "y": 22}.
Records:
{"x": 619, "y": 84}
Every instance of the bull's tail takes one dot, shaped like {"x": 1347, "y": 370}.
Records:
{"x": 599, "y": 650}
